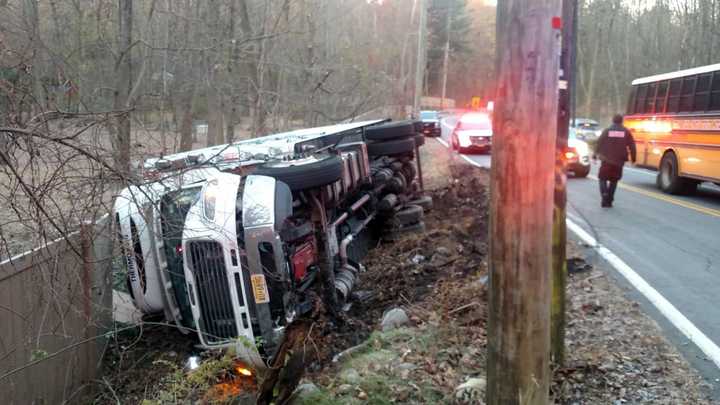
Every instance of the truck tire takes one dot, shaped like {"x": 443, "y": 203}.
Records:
{"x": 304, "y": 175}
{"x": 409, "y": 214}
{"x": 394, "y": 147}
{"x": 388, "y": 203}
{"x": 397, "y": 184}
{"x": 419, "y": 140}
{"x": 409, "y": 171}
{"x": 426, "y": 202}
{"x": 391, "y": 130}
{"x": 669, "y": 180}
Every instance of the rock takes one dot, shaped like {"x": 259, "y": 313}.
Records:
{"x": 362, "y": 396}
{"x": 344, "y": 389}
{"x": 307, "y": 388}
{"x": 350, "y": 376}
{"x": 443, "y": 251}
{"x": 417, "y": 259}
{"x": 471, "y": 390}
{"x": 303, "y": 392}
{"x": 404, "y": 370}
{"x": 394, "y": 319}
{"x": 406, "y": 366}
{"x": 440, "y": 260}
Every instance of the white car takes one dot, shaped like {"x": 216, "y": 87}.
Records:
{"x": 473, "y": 132}
{"x": 577, "y": 155}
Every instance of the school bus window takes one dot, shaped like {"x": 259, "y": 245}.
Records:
{"x": 715, "y": 96}
{"x": 631, "y": 101}
{"x": 640, "y": 102}
{"x": 650, "y": 100}
{"x": 702, "y": 93}
{"x": 686, "y": 100}
{"x": 674, "y": 96}
{"x": 661, "y": 97}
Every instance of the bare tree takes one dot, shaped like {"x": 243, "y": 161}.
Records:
{"x": 123, "y": 87}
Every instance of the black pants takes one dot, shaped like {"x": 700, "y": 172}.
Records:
{"x": 607, "y": 190}
{"x": 609, "y": 176}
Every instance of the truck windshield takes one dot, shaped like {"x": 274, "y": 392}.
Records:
{"x": 173, "y": 209}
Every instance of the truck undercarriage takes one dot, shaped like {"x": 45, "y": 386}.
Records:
{"x": 268, "y": 239}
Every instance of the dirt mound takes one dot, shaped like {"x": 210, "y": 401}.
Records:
{"x": 424, "y": 272}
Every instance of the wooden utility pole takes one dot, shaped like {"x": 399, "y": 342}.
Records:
{"x": 521, "y": 202}
{"x": 559, "y": 271}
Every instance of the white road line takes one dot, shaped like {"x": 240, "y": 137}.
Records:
{"x": 467, "y": 159}
{"x": 472, "y": 162}
{"x": 687, "y": 328}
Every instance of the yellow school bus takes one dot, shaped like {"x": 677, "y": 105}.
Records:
{"x": 675, "y": 120}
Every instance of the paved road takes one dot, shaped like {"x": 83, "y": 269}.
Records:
{"x": 673, "y": 242}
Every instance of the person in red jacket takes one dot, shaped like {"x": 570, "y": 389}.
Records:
{"x": 612, "y": 149}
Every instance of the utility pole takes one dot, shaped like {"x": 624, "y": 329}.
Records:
{"x": 420, "y": 59}
{"x": 521, "y": 202}
{"x": 446, "y": 57}
{"x": 559, "y": 271}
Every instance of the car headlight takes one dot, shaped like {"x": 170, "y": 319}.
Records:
{"x": 210, "y": 199}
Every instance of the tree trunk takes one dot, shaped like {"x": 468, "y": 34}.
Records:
{"x": 215, "y": 118}
{"x": 124, "y": 86}
{"x": 231, "y": 103}
{"x": 591, "y": 77}
{"x": 186, "y": 120}
{"x": 32, "y": 15}
{"x": 521, "y": 203}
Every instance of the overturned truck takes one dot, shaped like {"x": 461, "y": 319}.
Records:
{"x": 236, "y": 241}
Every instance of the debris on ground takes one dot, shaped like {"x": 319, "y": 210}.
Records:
{"x": 578, "y": 265}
